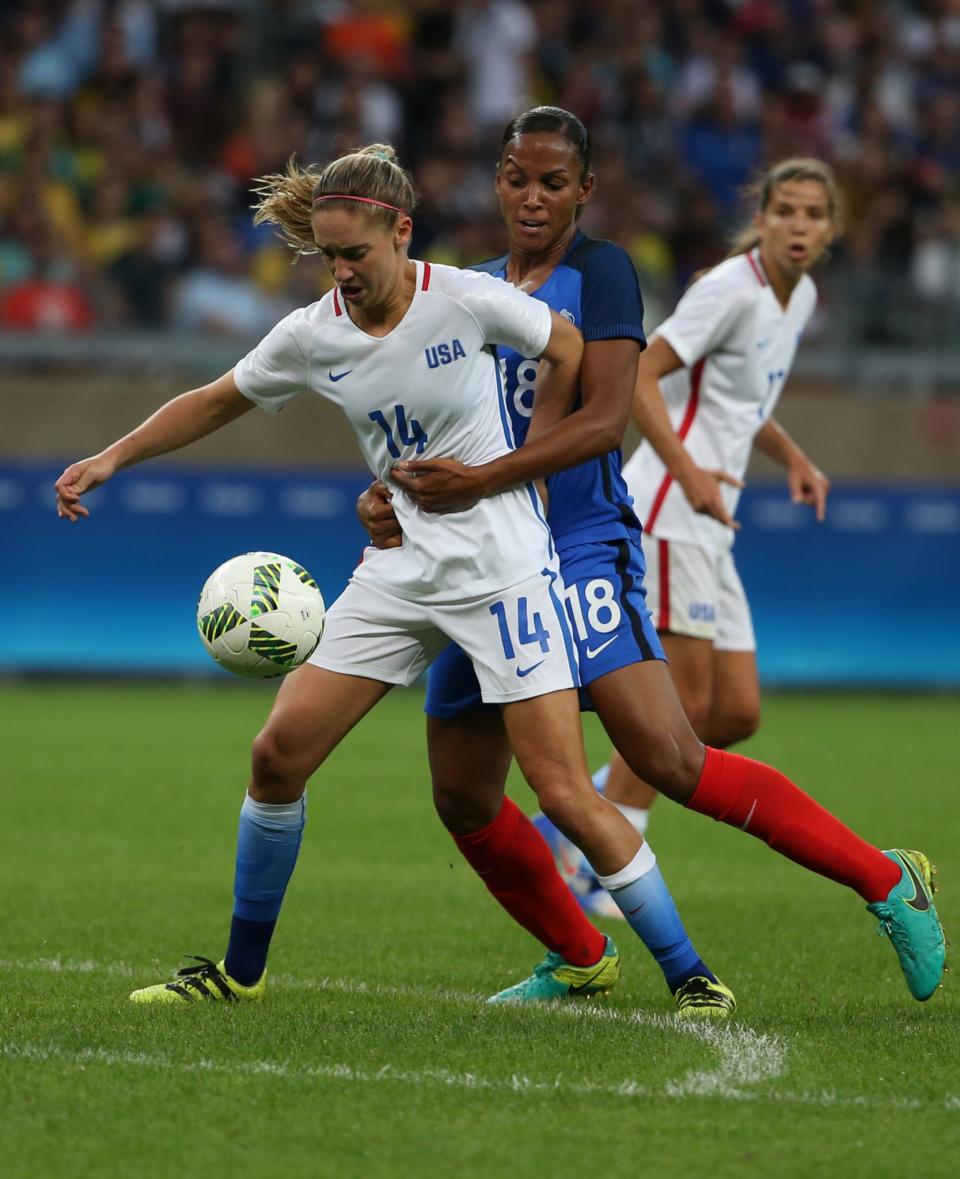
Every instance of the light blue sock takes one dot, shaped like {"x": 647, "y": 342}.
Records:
{"x": 644, "y": 899}
{"x": 600, "y": 778}
{"x": 268, "y": 842}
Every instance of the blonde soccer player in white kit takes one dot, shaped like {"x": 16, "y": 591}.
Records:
{"x": 706, "y": 393}
{"x": 407, "y": 351}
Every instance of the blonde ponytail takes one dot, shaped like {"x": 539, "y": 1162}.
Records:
{"x": 371, "y": 175}
{"x": 286, "y": 200}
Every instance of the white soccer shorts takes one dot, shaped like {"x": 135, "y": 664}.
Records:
{"x": 519, "y": 639}
{"x": 696, "y": 592}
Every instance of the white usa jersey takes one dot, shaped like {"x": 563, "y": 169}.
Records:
{"x": 737, "y": 345}
{"x": 430, "y": 388}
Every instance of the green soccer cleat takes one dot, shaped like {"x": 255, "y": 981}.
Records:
{"x": 702, "y": 998}
{"x": 910, "y": 920}
{"x": 206, "y": 980}
{"x": 555, "y": 978}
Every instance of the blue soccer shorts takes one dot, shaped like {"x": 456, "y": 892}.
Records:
{"x": 609, "y": 619}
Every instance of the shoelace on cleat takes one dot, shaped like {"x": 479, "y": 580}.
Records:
{"x": 703, "y": 994}
{"x": 887, "y": 927}
{"x": 548, "y": 964}
{"x": 192, "y": 978}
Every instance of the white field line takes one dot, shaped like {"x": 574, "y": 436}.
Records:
{"x": 445, "y": 1078}
{"x": 745, "y": 1058}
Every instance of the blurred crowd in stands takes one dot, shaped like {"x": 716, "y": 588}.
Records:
{"x": 130, "y": 131}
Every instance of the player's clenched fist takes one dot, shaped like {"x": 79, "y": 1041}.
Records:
{"x": 378, "y": 518}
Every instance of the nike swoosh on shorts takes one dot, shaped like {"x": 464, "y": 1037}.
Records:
{"x": 593, "y": 652}
{"x": 522, "y": 671}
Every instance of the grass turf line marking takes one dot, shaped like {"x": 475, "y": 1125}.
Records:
{"x": 745, "y": 1057}
{"x": 516, "y": 1083}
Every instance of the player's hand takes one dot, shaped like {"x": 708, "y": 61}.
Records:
{"x": 808, "y": 485}
{"x": 702, "y": 489}
{"x": 378, "y": 517}
{"x": 440, "y": 485}
{"x": 77, "y": 480}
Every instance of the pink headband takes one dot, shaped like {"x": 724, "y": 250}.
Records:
{"x": 342, "y": 196}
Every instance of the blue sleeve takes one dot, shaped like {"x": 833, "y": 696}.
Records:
{"x": 611, "y": 306}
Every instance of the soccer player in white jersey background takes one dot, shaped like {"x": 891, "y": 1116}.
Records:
{"x": 406, "y": 350}
{"x": 707, "y": 388}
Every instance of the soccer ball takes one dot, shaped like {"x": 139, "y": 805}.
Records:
{"x": 260, "y": 615}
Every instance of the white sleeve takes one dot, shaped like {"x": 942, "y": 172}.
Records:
{"x": 707, "y": 316}
{"x": 504, "y": 314}
{"x": 277, "y": 370}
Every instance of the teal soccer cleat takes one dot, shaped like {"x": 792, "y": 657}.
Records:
{"x": 555, "y": 979}
{"x": 910, "y": 920}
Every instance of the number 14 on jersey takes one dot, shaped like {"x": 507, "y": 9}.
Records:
{"x": 408, "y": 430}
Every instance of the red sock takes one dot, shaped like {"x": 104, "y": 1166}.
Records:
{"x": 513, "y": 860}
{"x": 763, "y": 802}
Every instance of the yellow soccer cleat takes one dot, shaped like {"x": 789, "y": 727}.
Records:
{"x": 207, "y": 980}
{"x": 702, "y": 998}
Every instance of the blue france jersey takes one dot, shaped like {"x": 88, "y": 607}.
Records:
{"x": 595, "y": 287}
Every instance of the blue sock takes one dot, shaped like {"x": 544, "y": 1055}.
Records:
{"x": 600, "y": 778}
{"x": 267, "y": 845}
{"x": 645, "y": 901}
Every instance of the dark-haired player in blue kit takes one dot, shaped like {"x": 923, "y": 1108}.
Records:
{"x": 543, "y": 180}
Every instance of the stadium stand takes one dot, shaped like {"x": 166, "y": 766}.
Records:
{"x": 129, "y": 133}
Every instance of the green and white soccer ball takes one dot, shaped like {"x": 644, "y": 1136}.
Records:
{"x": 260, "y": 615}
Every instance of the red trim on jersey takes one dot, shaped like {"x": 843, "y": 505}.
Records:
{"x": 663, "y": 551}
{"x": 426, "y": 276}
{"x": 336, "y": 302}
{"x": 696, "y": 374}
{"x": 756, "y": 270}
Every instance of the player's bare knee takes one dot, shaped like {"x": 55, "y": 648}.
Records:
{"x": 745, "y": 723}
{"x": 276, "y": 772}
{"x": 698, "y": 708}
{"x": 560, "y": 812}
{"x": 672, "y": 765}
{"x": 734, "y": 726}
{"x": 565, "y": 803}
{"x": 463, "y": 813}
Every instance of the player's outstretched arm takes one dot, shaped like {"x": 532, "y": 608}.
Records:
{"x": 701, "y": 487}
{"x": 807, "y": 483}
{"x": 181, "y": 421}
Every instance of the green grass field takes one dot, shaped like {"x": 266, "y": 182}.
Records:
{"x": 374, "y": 1054}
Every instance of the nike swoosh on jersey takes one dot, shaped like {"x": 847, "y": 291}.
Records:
{"x": 592, "y": 652}
{"x": 920, "y": 900}
{"x": 339, "y": 376}
{"x": 522, "y": 671}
